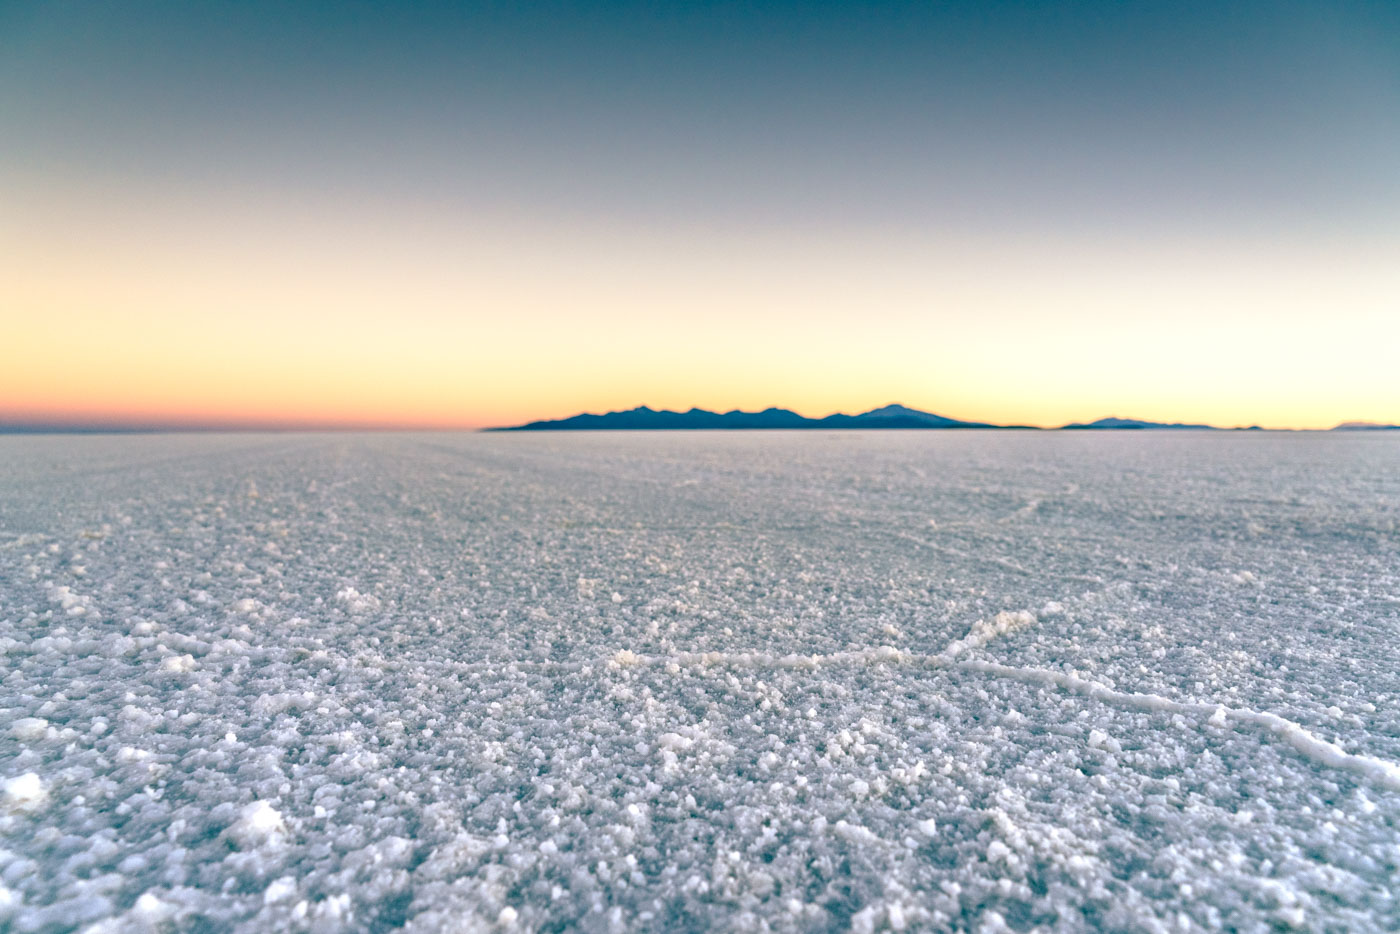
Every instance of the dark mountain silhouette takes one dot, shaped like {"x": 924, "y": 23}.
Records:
{"x": 887, "y": 416}
{"x": 643, "y": 417}
{"x": 896, "y": 416}
{"x": 1114, "y": 423}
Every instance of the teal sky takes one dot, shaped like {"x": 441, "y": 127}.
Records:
{"x": 1238, "y": 114}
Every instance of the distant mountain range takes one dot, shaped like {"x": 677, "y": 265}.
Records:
{"x": 644, "y": 417}
{"x": 1114, "y": 423}
{"x": 888, "y": 416}
{"x": 648, "y": 419}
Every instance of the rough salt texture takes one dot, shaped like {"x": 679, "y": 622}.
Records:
{"x": 979, "y": 681}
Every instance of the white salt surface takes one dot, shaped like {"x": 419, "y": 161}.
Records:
{"x": 793, "y": 682}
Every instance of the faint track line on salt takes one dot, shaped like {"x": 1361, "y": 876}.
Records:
{"x": 953, "y": 552}
{"x": 1306, "y": 743}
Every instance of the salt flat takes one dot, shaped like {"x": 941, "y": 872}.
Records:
{"x": 982, "y": 681}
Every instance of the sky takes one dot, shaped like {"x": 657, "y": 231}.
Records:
{"x": 460, "y": 215}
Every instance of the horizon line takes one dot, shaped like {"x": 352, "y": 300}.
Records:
{"x": 117, "y": 425}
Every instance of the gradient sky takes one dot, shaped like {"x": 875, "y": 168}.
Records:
{"x": 472, "y": 214}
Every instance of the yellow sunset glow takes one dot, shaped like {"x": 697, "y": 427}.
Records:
{"x": 248, "y": 311}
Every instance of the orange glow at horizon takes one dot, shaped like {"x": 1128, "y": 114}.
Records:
{"x": 425, "y": 321}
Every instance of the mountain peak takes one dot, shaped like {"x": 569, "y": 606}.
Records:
{"x": 895, "y": 408}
